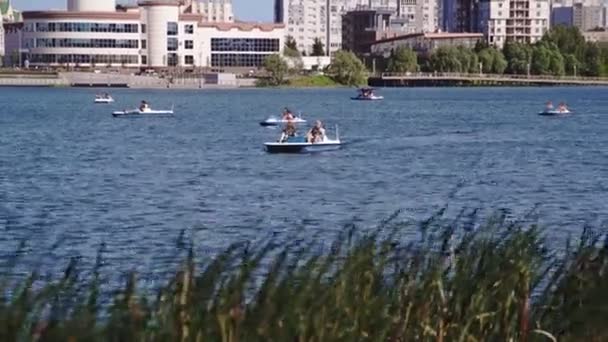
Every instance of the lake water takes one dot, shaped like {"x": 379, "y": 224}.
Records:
{"x": 72, "y": 177}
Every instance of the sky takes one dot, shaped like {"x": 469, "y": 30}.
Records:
{"x": 250, "y": 10}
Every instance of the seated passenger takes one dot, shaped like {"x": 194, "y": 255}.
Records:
{"x": 549, "y": 105}
{"x": 288, "y": 115}
{"x": 143, "y": 106}
{"x": 316, "y": 134}
{"x": 288, "y": 132}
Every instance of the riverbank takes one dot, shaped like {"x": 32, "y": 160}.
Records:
{"x": 497, "y": 282}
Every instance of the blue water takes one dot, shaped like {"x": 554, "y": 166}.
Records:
{"x": 72, "y": 177}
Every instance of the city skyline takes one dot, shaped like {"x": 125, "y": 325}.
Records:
{"x": 249, "y": 10}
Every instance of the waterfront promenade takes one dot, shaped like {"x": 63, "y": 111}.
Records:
{"x": 458, "y": 79}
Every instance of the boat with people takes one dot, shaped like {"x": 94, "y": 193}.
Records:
{"x": 285, "y": 118}
{"x": 144, "y": 110}
{"x": 367, "y": 94}
{"x": 316, "y": 140}
{"x": 104, "y": 99}
{"x": 562, "y": 109}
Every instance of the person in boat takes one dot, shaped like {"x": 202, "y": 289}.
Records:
{"x": 106, "y": 96}
{"x": 143, "y": 106}
{"x": 316, "y": 134}
{"x": 289, "y": 131}
{"x": 562, "y": 108}
{"x": 549, "y": 106}
{"x": 288, "y": 115}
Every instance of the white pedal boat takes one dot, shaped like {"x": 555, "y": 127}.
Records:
{"x": 299, "y": 144}
{"x": 273, "y": 121}
{"x": 367, "y": 94}
{"x": 555, "y": 112}
{"x": 104, "y": 100}
{"x": 143, "y": 113}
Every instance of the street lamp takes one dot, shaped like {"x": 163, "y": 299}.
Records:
{"x": 480, "y": 68}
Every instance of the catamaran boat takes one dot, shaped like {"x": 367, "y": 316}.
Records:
{"x": 367, "y": 94}
{"x": 274, "y": 121}
{"x": 143, "y": 112}
{"x": 299, "y": 144}
{"x": 104, "y": 99}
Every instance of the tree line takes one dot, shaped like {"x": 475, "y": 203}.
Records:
{"x": 562, "y": 51}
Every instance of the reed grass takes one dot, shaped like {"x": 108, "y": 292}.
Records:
{"x": 497, "y": 282}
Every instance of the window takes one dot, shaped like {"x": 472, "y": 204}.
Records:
{"x": 499, "y": 13}
{"x": 500, "y": 4}
{"x": 172, "y": 44}
{"x": 172, "y": 59}
{"x": 189, "y": 60}
{"x": 189, "y": 29}
{"x": 87, "y": 27}
{"x": 144, "y": 60}
{"x": 237, "y": 60}
{"x": 143, "y": 28}
{"x": 87, "y": 43}
{"x": 172, "y": 28}
{"x": 189, "y": 44}
{"x": 144, "y": 44}
{"x": 245, "y": 44}
{"x": 83, "y": 59}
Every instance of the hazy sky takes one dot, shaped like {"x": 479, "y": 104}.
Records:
{"x": 256, "y": 10}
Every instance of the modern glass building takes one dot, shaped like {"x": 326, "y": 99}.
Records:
{"x": 151, "y": 34}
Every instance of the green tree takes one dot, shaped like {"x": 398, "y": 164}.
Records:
{"x": 518, "y": 56}
{"x": 277, "y": 69}
{"x": 445, "y": 59}
{"x": 317, "y": 48}
{"x": 468, "y": 60}
{"x": 492, "y": 61}
{"x": 547, "y": 59}
{"x": 403, "y": 60}
{"x": 568, "y": 40}
{"x": 593, "y": 60}
{"x": 572, "y": 66}
{"x": 291, "y": 48}
{"x": 347, "y": 69}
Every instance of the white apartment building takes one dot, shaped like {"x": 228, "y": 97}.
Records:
{"x": 523, "y": 21}
{"x": 217, "y": 11}
{"x": 307, "y": 20}
{"x": 151, "y": 34}
{"x": 1, "y": 40}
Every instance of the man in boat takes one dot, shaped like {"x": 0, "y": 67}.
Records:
{"x": 289, "y": 131}
{"x": 316, "y": 134}
{"x": 288, "y": 115}
{"x": 562, "y": 108}
{"x": 549, "y": 106}
{"x": 143, "y": 106}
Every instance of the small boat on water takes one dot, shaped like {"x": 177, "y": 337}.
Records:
{"x": 555, "y": 112}
{"x": 145, "y": 112}
{"x": 103, "y": 99}
{"x": 299, "y": 144}
{"x": 367, "y": 94}
{"x": 274, "y": 121}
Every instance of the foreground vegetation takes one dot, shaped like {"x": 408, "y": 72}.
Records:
{"x": 497, "y": 282}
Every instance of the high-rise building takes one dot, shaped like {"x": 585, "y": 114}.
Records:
{"x": 217, "y": 11}
{"x": 524, "y": 21}
{"x": 1, "y": 40}
{"x": 307, "y": 20}
{"x": 586, "y": 14}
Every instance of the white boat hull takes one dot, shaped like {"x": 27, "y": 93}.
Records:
{"x": 104, "y": 101}
{"x": 554, "y": 112}
{"x": 145, "y": 113}
{"x": 367, "y": 98}
{"x": 276, "y": 122}
{"x": 328, "y": 145}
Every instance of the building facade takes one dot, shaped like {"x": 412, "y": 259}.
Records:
{"x": 217, "y": 11}
{"x": 586, "y": 15}
{"x": 524, "y": 21}
{"x": 307, "y": 20}
{"x": 153, "y": 34}
{"x": 425, "y": 43}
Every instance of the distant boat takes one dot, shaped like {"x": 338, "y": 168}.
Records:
{"x": 274, "y": 121}
{"x": 105, "y": 99}
{"x": 367, "y": 94}
{"x": 146, "y": 112}
{"x": 554, "y": 112}
{"x": 300, "y": 145}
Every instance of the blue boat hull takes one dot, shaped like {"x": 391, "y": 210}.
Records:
{"x": 301, "y": 148}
